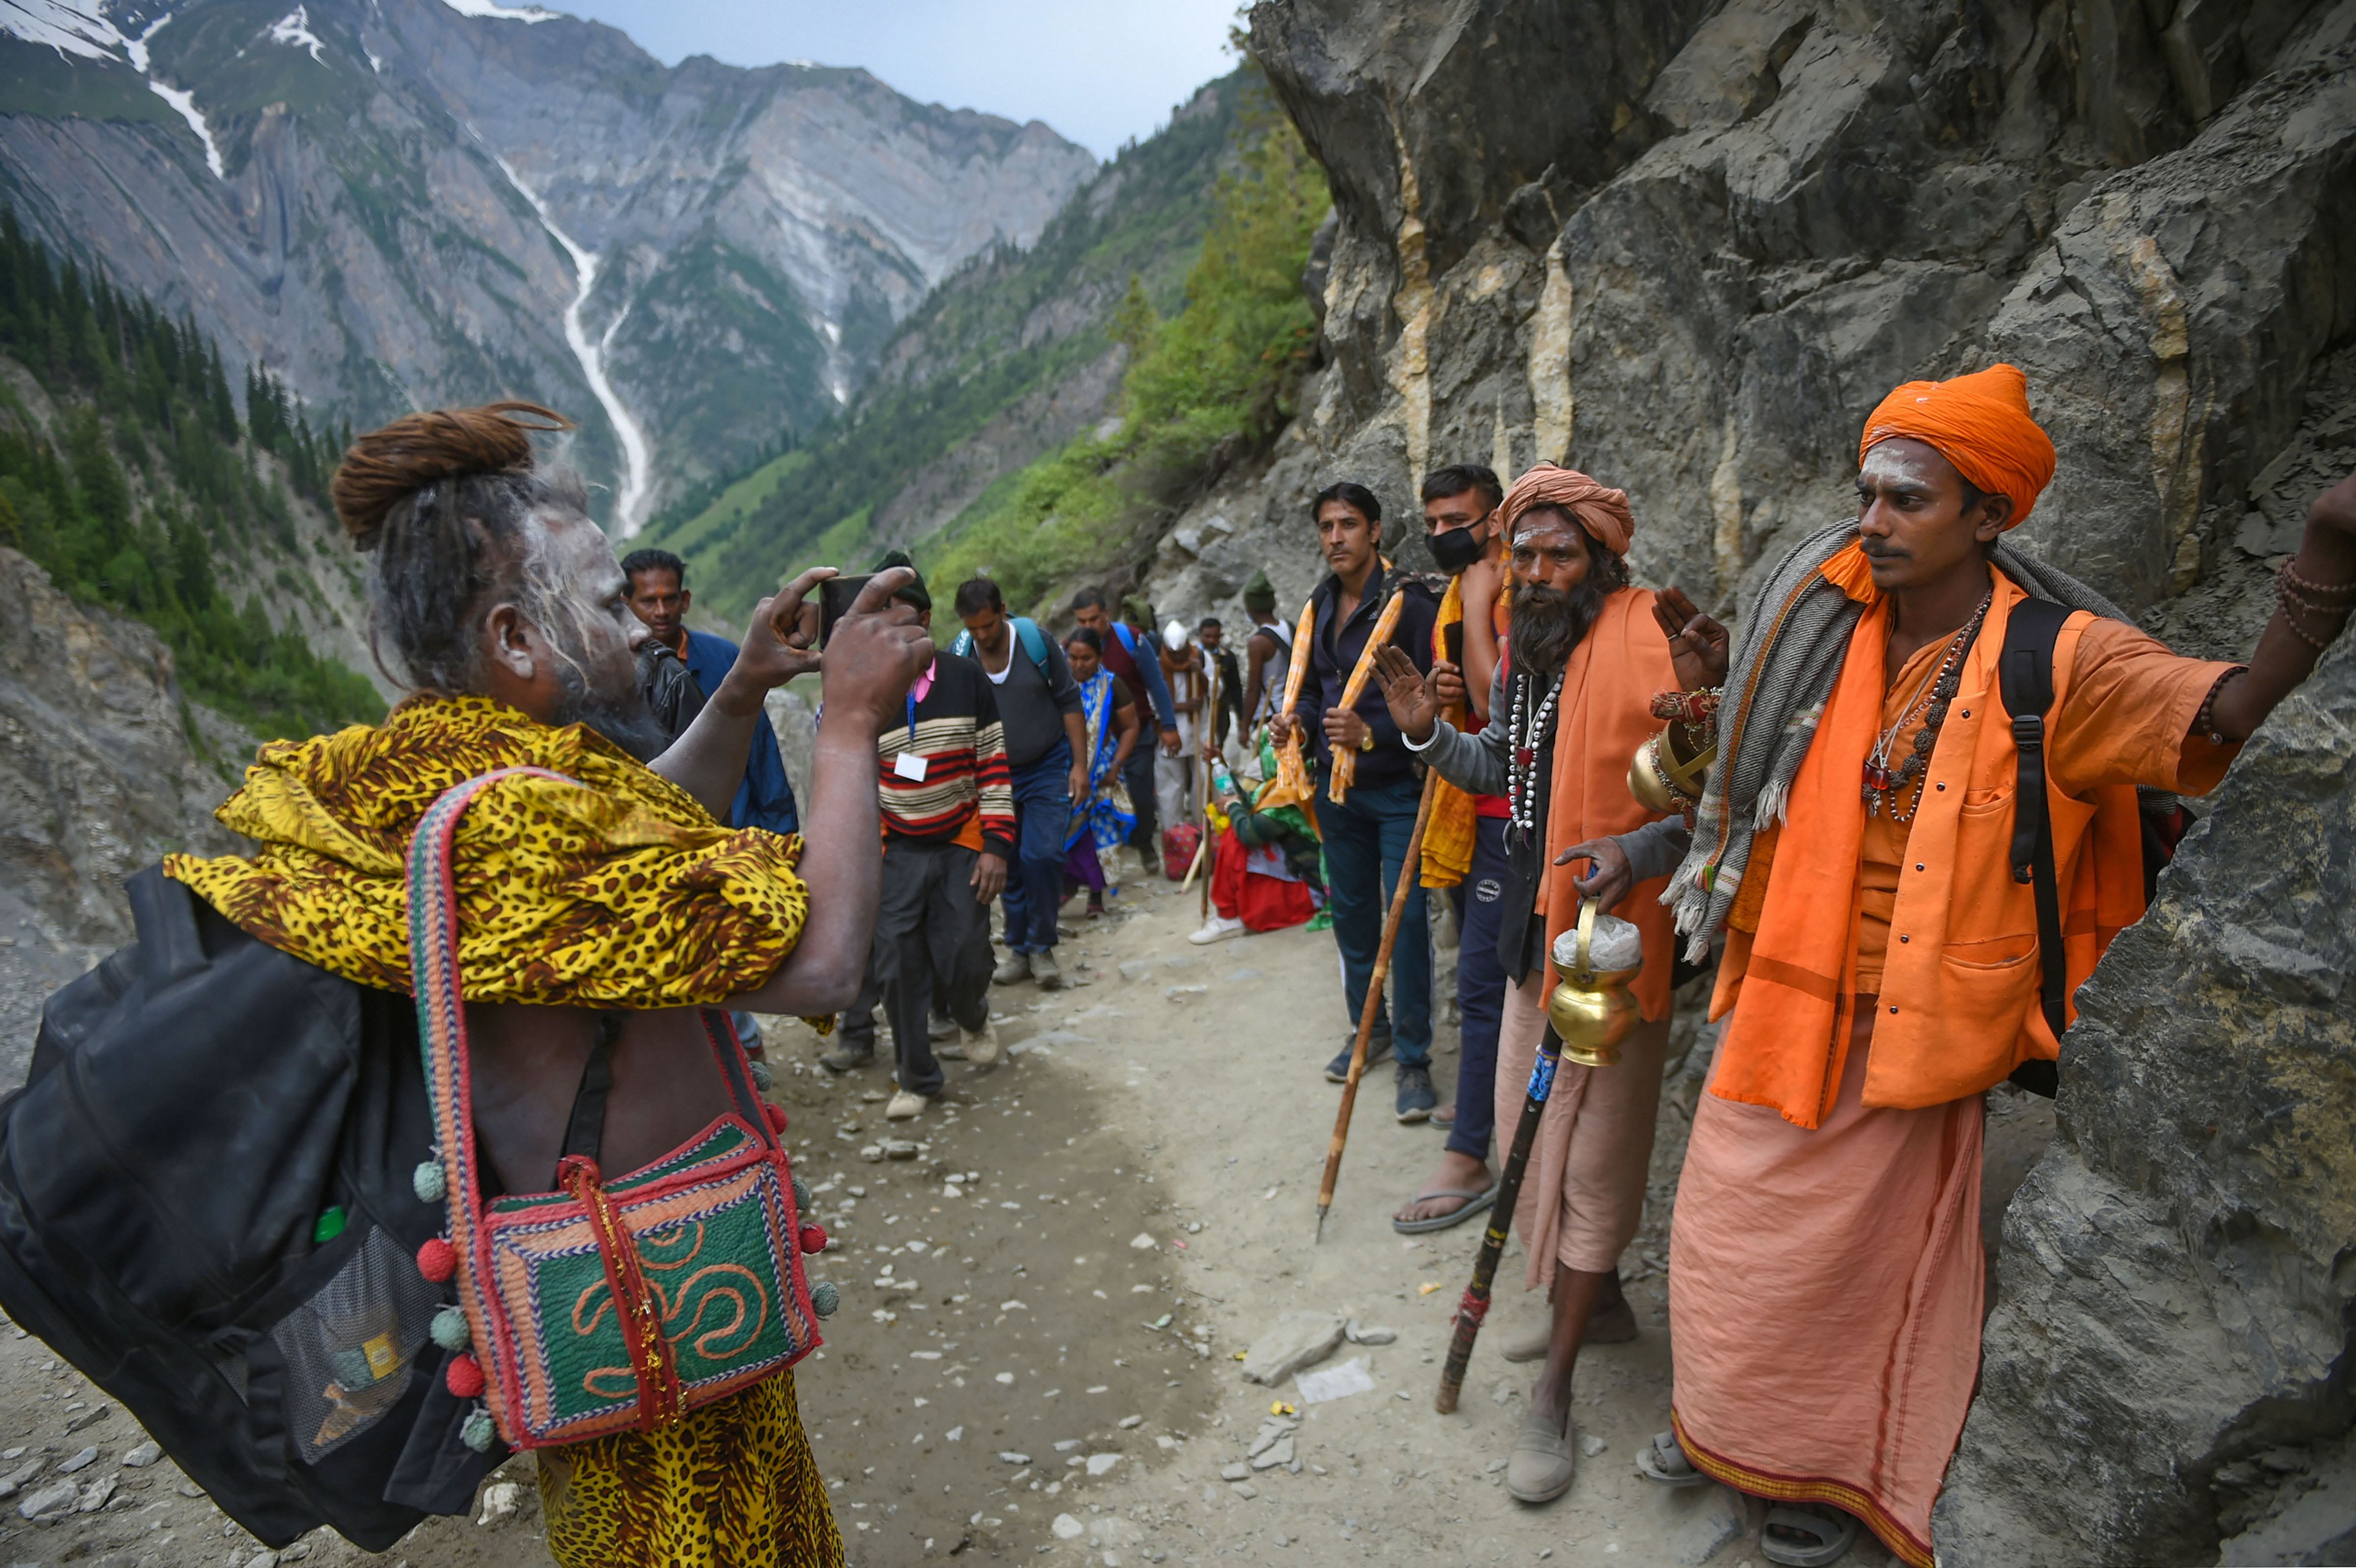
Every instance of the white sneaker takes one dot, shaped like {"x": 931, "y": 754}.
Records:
{"x": 1044, "y": 971}
{"x": 904, "y": 1105}
{"x": 1015, "y": 967}
{"x": 981, "y": 1045}
{"x": 1218, "y": 929}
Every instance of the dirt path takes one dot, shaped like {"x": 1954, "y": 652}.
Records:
{"x": 1043, "y": 1305}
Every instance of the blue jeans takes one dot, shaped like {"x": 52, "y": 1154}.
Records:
{"x": 1043, "y": 818}
{"x": 1480, "y": 989}
{"x": 1365, "y": 839}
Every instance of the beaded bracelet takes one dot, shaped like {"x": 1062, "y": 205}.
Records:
{"x": 2204, "y": 722}
{"x": 2293, "y": 594}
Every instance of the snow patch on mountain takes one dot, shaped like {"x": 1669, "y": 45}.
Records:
{"x": 70, "y": 29}
{"x": 294, "y": 29}
{"x": 482, "y": 8}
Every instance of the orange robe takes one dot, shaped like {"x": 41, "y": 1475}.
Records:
{"x": 1583, "y": 1193}
{"x": 1826, "y": 1275}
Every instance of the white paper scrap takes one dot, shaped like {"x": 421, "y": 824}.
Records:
{"x": 1335, "y": 1382}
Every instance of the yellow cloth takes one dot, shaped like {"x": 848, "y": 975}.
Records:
{"x": 618, "y": 891}
{"x": 732, "y": 1485}
{"x": 1447, "y": 835}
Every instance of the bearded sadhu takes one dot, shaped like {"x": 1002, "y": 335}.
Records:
{"x": 1883, "y": 966}
{"x": 1584, "y": 654}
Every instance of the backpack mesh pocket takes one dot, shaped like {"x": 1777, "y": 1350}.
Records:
{"x": 350, "y": 1348}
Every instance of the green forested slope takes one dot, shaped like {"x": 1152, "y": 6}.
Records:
{"x": 1208, "y": 386}
{"x": 144, "y": 491}
{"x": 1010, "y": 325}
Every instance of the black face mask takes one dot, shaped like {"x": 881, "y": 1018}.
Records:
{"x": 1456, "y": 549}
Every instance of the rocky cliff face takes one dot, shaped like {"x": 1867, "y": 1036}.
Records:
{"x": 1686, "y": 247}
{"x": 99, "y": 776}
{"x": 1688, "y": 251}
{"x": 393, "y": 203}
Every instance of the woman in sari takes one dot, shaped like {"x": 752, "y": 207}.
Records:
{"x": 1106, "y": 820}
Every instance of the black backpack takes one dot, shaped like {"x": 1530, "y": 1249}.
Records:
{"x": 2025, "y": 681}
{"x": 206, "y": 1205}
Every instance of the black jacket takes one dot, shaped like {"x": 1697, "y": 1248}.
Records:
{"x": 1333, "y": 652}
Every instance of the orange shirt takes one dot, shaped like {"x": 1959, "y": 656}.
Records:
{"x": 1957, "y": 987}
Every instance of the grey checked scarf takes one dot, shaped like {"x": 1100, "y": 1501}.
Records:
{"x": 1787, "y": 653}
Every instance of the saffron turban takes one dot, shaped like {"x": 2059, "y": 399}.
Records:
{"x": 1600, "y": 510}
{"x": 1980, "y": 424}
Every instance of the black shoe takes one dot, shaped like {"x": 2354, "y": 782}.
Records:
{"x": 1378, "y": 1048}
{"x": 1415, "y": 1096}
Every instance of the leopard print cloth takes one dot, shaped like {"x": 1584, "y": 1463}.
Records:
{"x": 622, "y": 892}
{"x": 731, "y": 1485}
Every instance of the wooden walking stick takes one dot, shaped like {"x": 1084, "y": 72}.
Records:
{"x": 1411, "y": 868}
{"x": 1600, "y": 1014}
{"x": 1204, "y": 772}
{"x": 1474, "y": 1306}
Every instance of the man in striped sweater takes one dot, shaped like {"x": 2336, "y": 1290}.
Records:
{"x": 949, "y": 834}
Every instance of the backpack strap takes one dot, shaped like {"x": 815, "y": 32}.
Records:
{"x": 1034, "y": 641}
{"x": 2025, "y": 681}
{"x": 586, "y": 1133}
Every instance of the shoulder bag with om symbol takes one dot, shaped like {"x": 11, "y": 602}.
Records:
{"x": 608, "y": 1305}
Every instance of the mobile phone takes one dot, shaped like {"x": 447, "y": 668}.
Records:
{"x": 835, "y": 597}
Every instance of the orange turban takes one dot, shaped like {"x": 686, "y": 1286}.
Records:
{"x": 1600, "y": 510}
{"x": 1978, "y": 422}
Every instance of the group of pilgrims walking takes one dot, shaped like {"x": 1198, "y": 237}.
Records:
{"x": 1899, "y": 866}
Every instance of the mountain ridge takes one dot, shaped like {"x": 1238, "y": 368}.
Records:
{"x": 409, "y": 198}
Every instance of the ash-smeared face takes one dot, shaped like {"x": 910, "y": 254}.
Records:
{"x": 577, "y": 594}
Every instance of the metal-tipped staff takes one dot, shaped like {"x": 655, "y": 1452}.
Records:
{"x": 1601, "y": 1013}
{"x": 1474, "y": 1306}
{"x": 1411, "y": 868}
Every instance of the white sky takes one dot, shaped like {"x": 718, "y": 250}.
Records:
{"x": 1099, "y": 71}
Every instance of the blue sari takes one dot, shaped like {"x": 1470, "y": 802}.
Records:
{"x": 1108, "y": 814}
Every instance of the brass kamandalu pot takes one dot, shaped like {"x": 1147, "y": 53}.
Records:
{"x": 1591, "y": 1009}
{"x": 1669, "y": 769}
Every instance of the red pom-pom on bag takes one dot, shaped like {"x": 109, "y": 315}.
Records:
{"x": 464, "y": 1377}
{"x": 437, "y": 1260}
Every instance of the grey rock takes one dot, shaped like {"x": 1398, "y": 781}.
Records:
{"x": 2165, "y": 1291}
{"x": 1696, "y": 1523}
{"x": 88, "y": 1418}
{"x": 1277, "y": 1453}
{"x": 1134, "y": 969}
{"x": 50, "y": 1501}
{"x": 1359, "y": 1334}
{"x": 146, "y": 1454}
{"x": 1011, "y": 1458}
{"x": 95, "y": 1495}
{"x": 1237, "y": 1471}
{"x": 81, "y": 1461}
{"x": 1297, "y": 1340}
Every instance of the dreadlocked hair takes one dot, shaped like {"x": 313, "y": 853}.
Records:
{"x": 445, "y": 504}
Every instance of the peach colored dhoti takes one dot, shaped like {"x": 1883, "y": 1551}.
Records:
{"x": 1824, "y": 1292}
{"x": 1583, "y": 1193}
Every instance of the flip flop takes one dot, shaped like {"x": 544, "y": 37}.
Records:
{"x": 1474, "y": 1202}
{"x": 1833, "y": 1536}
{"x": 1661, "y": 1462}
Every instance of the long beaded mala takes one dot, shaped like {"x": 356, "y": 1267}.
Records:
{"x": 1884, "y": 783}
{"x": 1526, "y": 733}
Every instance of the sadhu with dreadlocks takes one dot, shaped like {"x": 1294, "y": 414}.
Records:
{"x": 596, "y": 913}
